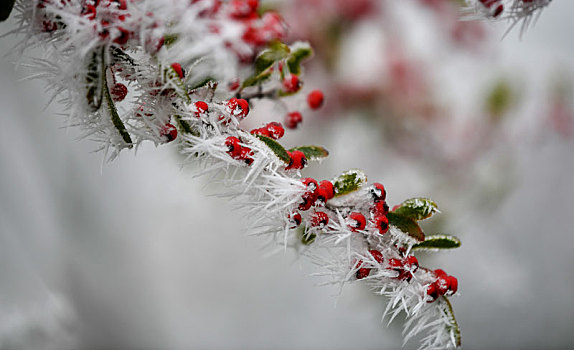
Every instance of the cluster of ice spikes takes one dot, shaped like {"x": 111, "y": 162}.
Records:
{"x": 190, "y": 70}
{"x": 515, "y": 11}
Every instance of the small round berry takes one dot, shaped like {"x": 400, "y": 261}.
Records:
{"x": 380, "y": 208}
{"x": 319, "y": 219}
{"x": 452, "y": 285}
{"x": 233, "y": 146}
{"x": 124, "y": 36}
{"x": 295, "y": 220}
{"x": 310, "y": 196}
{"x": 315, "y": 99}
{"x": 362, "y": 272}
{"x": 261, "y": 131}
{"x": 169, "y": 132}
{"x": 291, "y": 83}
{"x": 358, "y": 222}
{"x": 293, "y": 119}
{"x": 119, "y": 92}
{"x": 178, "y": 70}
{"x": 327, "y": 190}
{"x": 246, "y": 155}
{"x": 310, "y": 184}
{"x": 239, "y": 107}
{"x": 382, "y": 224}
{"x": 378, "y": 192}
{"x": 276, "y": 130}
{"x": 200, "y": 107}
{"x": 377, "y": 255}
{"x": 412, "y": 263}
{"x": 442, "y": 284}
{"x": 298, "y": 160}
{"x": 432, "y": 291}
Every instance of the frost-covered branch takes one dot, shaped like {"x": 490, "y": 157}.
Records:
{"x": 187, "y": 71}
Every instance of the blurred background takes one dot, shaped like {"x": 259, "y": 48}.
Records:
{"x": 136, "y": 254}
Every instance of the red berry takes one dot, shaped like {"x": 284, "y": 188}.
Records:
{"x": 275, "y": 130}
{"x": 452, "y": 285}
{"x": 382, "y": 224}
{"x": 358, "y": 221}
{"x": 298, "y": 160}
{"x": 319, "y": 219}
{"x": 124, "y": 36}
{"x": 89, "y": 12}
{"x": 291, "y": 83}
{"x": 380, "y": 208}
{"x": 246, "y": 155}
{"x": 238, "y": 107}
{"x": 412, "y": 263}
{"x": 261, "y": 131}
{"x": 169, "y": 132}
{"x": 326, "y": 191}
{"x": 200, "y": 108}
{"x": 442, "y": 284}
{"x": 378, "y": 192}
{"x": 243, "y": 8}
{"x": 177, "y": 68}
{"x": 293, "y": 119}
{"x": 432, "y": 291}
{"x": 233, "y": 146}
{"x": 295, "y": 220}
{"x": 315, "y": 99}
{"x": 310, "y": 196}
{"x": 119, "y": 92}
{"x": 377, "y": 255}
{"x": 363, "y": 272}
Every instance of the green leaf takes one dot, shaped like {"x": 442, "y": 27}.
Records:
{"x": 300, "y": 51}
{"x": 452, "y": 328}
{"x": 6, "y": 9}
{"x": 499, "y": 100}
{"x": 305, "y": 237}
{"x": 435, "y": 242}
{"x": 256, "y": 79}
{"x": 94, "y": 79}
{"x": 202, "y": 83}
{"x": 312, "y": 152}
{"x": 276, "y": 52}
{"x": 407, "y": 225}
{"x": 417, "y": 208}
{"x": 276, "y": 147}
{"x": 349, "y": 181}
{"x": 116, "y": 120}
{"x": 170, "y": 39}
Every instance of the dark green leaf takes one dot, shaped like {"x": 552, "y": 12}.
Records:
{"x": 116, "y": 120}
{"x": 407, "y": 225}
{"x": 312, "y": 152}
{"x": 305, "y": 237}
{"x": 201, "y": 83}
{"x": 452, "y": 328}
{"x": 276, "y": 147}
{"x": 256, "y": 79}
{"x": 94, "y": 79}
{"x": 417, "y": 208}
{"x": 6, "y": 9}
{"x": 349, "y": 181}
{"x": 299, "y": 53}
{"x": 276, "y": 51}
{"x": 169, "y": 39}
{"x": 434, "y": 242}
